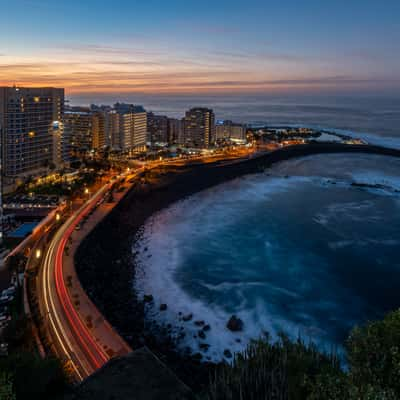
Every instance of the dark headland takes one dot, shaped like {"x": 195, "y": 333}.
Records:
{"x": 106, "y": 265}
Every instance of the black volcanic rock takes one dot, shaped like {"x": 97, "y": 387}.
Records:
{"x": 227, "y": 353}
{"x": 235, "y": 324}
{"x": 187, "y": 317}
{"x": 148, "y": 298}
{"x": 204, "y": 346}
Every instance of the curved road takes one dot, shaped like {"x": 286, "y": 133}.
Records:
{"x": 72, "y": 340}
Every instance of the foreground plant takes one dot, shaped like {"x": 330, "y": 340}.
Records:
{"x": 286, "y": 370}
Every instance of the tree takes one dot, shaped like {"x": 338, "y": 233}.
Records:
{"x": 373, "y": 353}
{"x": 33, "y": 377}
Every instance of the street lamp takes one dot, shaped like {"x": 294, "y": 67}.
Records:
{"x": 58, "y": 217}
{"x": 38, "y": 253}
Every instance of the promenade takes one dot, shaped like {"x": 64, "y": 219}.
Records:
{"x": 79, "y": 334}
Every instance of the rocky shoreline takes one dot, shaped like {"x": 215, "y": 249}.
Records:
{"x": 106, "y": 266}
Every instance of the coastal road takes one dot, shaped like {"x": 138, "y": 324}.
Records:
{"x": 82, "y": 345}
{"x": 73, "y": 341}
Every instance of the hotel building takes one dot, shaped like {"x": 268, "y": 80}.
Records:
{"x": 31, "y": 125}
{"x": 157, "y": 128}
{"x": 86, "y": 130}
{"x": 199, "y": 128}
{"x": 129, "y": 128}
{"x": 230, "y": 130}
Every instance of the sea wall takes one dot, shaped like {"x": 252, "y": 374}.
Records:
{"x": 104, "y": 260}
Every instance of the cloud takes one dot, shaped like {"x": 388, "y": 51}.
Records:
{"x": 130, "y": 75}
{"x": 265, "y": 56}
{"x": 106, "y": 50}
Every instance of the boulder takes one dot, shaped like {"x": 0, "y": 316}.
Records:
{"x": 202, "y": 335}
{"x": 227, "y": 353}
{"x": 204, "y": 346}
{"x": 206, "y": 328}
{"x": 197, "y": 356}
{"x": 235, "y": 324}
{"x": 199, "y": 323}
{"x": 163, "y": 307}
{"x": 187, "y": 317}
{"x": 148, "y": 298}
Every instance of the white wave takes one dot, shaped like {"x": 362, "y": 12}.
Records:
{"x": 196, "y": 217}
{"x": 385, "y": 141}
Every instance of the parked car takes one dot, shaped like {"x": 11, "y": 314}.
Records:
{"x": 4, "y": 318}
{"x": 9, "y": 291}
{"x": 6, "y": 299}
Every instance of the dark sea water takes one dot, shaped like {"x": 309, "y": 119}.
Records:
{"x": 375, "y": 117}
{"x": 295, "y": 249}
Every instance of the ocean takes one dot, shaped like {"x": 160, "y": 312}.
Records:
{"x": 297, "y": 249}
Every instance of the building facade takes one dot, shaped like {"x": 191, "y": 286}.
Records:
{"x": 175, "y": 132}
{"x": 99, "y": 130}
{"x": 199, "y": 128}
{"x": 78, "y": 128}
{"x": 229, "y": 130}
{"x": 31, "y": 123}
{"x": 157, "y": 128}
{"x": 129, "y": 128}
{"x": 85, "y": 129}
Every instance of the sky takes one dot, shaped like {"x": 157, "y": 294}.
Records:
{"x": 221, "y": 46}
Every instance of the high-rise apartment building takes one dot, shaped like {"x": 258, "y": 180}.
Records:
{"x": 199, "y": 128}
{"x": 99, "y": 130}
{"x": 78, "y": 126}
{"x": 31, "y": 124}
{"x": 112, "y": 130}
{"x": 86, "y": 130}
{"x": 175, "y": 131}
{"x": 130, "y": 129}
{"x": 157, "y": 128}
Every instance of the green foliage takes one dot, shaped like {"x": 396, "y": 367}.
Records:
{"x": 33, "y": 377}
{"x": 6, "y": 387}
{"x": 295, "y": 371}
{"x": 373, "y": 353}
{"x": 267, "y": 370}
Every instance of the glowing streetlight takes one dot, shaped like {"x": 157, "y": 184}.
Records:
{"x": 38, "y": 253}
{"x": 58, "y": 217}
{"x": 86, "y": 191}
